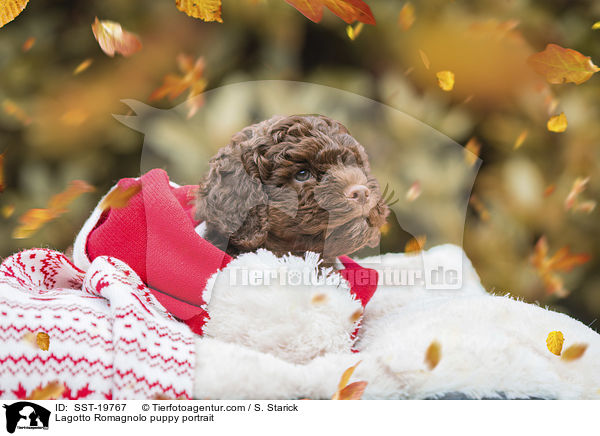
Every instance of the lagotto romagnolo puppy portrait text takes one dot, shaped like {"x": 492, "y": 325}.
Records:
{"x": 292, "y": 184}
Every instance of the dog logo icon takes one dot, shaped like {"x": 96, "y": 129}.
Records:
{"x": 26, "y": 415}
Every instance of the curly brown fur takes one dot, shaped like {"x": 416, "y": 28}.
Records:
{"x": 251, "y": 197}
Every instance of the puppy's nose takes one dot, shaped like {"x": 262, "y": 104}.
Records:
{"x": 358, "y": 193}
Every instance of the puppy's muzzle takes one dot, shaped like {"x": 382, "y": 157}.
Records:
{"x": 358, "y": 194}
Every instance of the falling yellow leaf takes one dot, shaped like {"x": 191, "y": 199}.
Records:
{"x": 554, "y": 342}
{"x": 425, "y": 59}
{"x": 12, "y": 109}
{"x": 596, "y": 25}
{"x": 51, "y": 391}
{"x": 83, "y": 66}
{"x": 8, "y": 210}
{"x": 573, "y": 352}
{"x": 43, "y": 341}
{"x": 119, "y": 197}
{"x": 207, "y": 10}
{"x": 356, "y": 315}
{"x": 562, "y": 65}
{"x": 557, "y": 123}
{"x": 521, "y": 139}
{"x": 415, "y": 245}
{"x": 472, "y": 150}
{"x": 9, "y": 9}
{"x": 414, "y": 191}
{"x": 445, "y": 80}
{"x": 318, "y": 299}
{"x": 353, "y": 32}
{"x": 433, "y": 355}
{"x": 113, "y": 39}
{"x": 28, "y": 44}
{"x": 406, "y": 17}
{"x": 385, "y": 229}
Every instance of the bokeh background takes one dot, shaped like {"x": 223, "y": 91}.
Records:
{"x": 66, "y": 130}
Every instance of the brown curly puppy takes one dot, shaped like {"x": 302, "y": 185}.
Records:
{"x": 290, "y": 185}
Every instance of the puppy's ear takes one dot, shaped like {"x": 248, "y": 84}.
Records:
{"x": 232, "y": 201}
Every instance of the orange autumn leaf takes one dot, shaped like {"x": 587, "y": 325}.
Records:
{"x": 349, "y": 392}
{"x": 561, "y": 261}
{"x": 433, "y": 355}
{"x": 554, "y": 342}
{"x": 520, "y": 139}
{"x": 9, "y": 9}
{"x": 192, "y": 79}
{"x": 573, "y": 352}
{"x": 59, "y": 202}
{"x": 207, "y": 10}
{"x": 82, "y": 66}
{"x": 113, "y": 39}
{"x": 415, "y": 245}
{"x": 549, "y": 190}
{"x": 347, "y": 10}
{"x": 406, "y": 17}
{"x": 354, "y": 391}
{"x": 579, "y": 185}
{"x": 43, "y": 341}
{"x": 445, "y": 80}
{"x": 51, "y": 391}
{"x": 119, "y": 197}
{"x": 346, "y": 377}
{"x": 356, "y": 315}
{"x": 28, "y": 44}
{"x": 33, "y": 219}
{"x": 353, "y": 32}
{"x": 318, "y": 299}
{"x": 472, "y": 150}
{"x": 14, "y": 110}
{"x": 7, "y": 210}
{"x": 557, "y": 123}
{"x": 562, "y": 65}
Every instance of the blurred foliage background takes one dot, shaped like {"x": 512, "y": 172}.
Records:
{"x": 67, "y": 130}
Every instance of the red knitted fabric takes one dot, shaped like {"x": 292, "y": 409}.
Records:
{"x": 155, "y": 235}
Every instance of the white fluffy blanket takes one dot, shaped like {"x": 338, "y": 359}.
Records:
{"x": 282, "y": 340}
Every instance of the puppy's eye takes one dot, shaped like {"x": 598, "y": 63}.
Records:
{"x": 302, "y": 175}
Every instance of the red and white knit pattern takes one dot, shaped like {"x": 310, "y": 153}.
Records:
{"x": 109, "y": 336}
